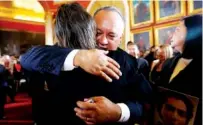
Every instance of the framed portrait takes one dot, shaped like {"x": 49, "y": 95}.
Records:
{"x": 142, "y": 38}
{"x": 16, "y": 42}
{"x": 169, "y": 10}
{"x": 141, "y": 12}
{"x": 194, "y": 7}
{"x": 174, "y": 108}
{"x": 163, "y": 33}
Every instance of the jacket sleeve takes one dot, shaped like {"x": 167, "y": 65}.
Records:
{"x": 44, "y": 59}
{"x": 139, "y": 92}
{"x": 144, "y": 68}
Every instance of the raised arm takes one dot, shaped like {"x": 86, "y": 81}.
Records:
{"x": 44, "y": 59}
{"x": 52, "y": 59}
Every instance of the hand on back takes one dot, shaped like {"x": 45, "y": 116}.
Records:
{"x": 96, "y": 62}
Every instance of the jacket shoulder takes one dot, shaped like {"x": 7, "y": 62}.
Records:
{"x": 123, "y": 58}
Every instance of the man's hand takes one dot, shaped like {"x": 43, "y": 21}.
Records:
{"x": 97, "y": 63}
{"x": 100, "y": 111}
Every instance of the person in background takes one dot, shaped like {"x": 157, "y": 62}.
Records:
{"x": 163, "y": 53}
{"x": 17, "y": 72}
{"x": 150, "y": 55}
{"x": 10, "y": 80}
{"x": 3, "y": 88}
{"x": 142, "y": 63}
{"x": 183, "y": 73}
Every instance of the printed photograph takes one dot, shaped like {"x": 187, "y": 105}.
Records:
{"x": 174, "y": 108}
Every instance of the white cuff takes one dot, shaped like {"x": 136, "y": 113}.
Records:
{"x": 68, "y": 64}
{"x": 125, "y": 112}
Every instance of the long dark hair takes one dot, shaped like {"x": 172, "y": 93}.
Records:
{"x": 74, "y": 27}
{"x": 193, "y": 43}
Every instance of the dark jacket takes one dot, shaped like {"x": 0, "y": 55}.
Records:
{"x": 143, "y": 66}
{"x": 68, "y": 87}
{"x": 2, "y": 76}
{"x": 188, "y": 81}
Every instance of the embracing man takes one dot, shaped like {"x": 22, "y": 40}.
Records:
{"x": 110, "y": 27}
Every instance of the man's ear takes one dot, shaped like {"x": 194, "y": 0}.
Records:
{"x": 121, "y": 37}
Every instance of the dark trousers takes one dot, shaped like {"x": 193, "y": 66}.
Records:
{"x": 40, "y": 108}
{"x": 2, "y": 100}
{"x": 11, "y": 93}
{"x": 11, "y": 89}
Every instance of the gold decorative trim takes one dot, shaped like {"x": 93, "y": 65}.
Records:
{"x": 22, "y": 21}
{"x": 15, "y": 30}
{"x": 21, "y": 13}
{"x": 190, "y": 7}
{"x": 59, "y": 2}
{"x": 142, "y": 24}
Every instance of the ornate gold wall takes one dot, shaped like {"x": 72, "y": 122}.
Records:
{"x": 153, "y": 22}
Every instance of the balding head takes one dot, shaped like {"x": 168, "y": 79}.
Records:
{"x": 110, "y": 27}
{"x": 112, "y": 9}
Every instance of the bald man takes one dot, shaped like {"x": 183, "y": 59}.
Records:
{"x": 110, "y": 27}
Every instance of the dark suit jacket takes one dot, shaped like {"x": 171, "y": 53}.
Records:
{"x": 188, "y": 81}
{"x": 132, "y": 88}
{"x": 150, "y": 58}
{"x": 3, "y": 86}
{"x": 143, "y": 66}
{"x": 2, "y": 75}
{"x": 44, "y": 59}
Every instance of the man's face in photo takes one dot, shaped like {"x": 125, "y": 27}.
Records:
{"x": 110, "y": 28}
{"x": 174, "y": 112}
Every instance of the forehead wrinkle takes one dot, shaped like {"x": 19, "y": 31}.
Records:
{"x": 109, "y": 19}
